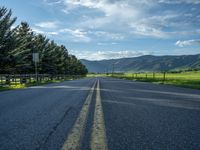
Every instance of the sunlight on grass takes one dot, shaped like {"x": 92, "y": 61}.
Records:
{"x": 18, "y": 85}
{"x": 184, "y": 79}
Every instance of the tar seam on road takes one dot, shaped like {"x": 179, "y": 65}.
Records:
{"x": 98, "y": 136}
{"x": 54, "y": 129}
{"x": 75, "y": 136}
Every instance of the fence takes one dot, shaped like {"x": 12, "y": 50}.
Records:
{"x": 189, "y": 79}
{"x": 143, "y": 76}
{"x": 8, "y": 79}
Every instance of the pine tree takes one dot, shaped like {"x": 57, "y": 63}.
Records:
{"x": 23, "y": 53}
{"x": 18, "y": 45}
{"x": 7, "y": 41}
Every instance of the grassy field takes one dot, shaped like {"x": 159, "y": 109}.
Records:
{"x": 17, "y": 85}
{"x": 184, "y": 79}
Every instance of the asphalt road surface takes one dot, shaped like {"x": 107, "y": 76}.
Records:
{"x": 100, "y": 113}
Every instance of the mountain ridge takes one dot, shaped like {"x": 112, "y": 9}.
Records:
{"x": 144, "y": 63}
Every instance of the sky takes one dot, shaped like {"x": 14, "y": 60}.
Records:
{"x": 110, "y": 29}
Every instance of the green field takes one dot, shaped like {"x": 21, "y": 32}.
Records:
{"x": 190, "y": 79}
{"x": 183, "y": 79}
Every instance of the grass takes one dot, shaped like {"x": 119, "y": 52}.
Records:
{"x": 96, "y": 75}
{"x": 18, "y": 85}
{"x": 184, "y": 79}
{"x": 12, "y": 87}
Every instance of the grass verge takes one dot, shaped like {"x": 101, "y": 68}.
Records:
{"x": 185, "y": 79}
{"x": 190, "y": 79}
{"x": 20, "y": 86}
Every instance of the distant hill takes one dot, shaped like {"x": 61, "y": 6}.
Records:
{"x": 144, "y": 63}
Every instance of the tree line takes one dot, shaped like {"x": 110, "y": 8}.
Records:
{"x": 19, "y": 43}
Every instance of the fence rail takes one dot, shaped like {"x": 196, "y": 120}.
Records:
{"x": 142, "y": 76}
{"x": 15, "y": 79}
{"x": 161, "y": 76}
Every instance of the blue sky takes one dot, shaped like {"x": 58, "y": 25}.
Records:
{"x": 105, "y": 29}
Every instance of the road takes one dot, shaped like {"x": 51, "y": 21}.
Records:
{"x": 100, "y": 113}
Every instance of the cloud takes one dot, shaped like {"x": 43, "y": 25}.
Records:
{"x": 179, "y": 1}
{"x": 100, "y": 55}
{"x": 77, "y": 35}
{"x": 144, "y": 30}
{"x": 52, "y": 2}
{"x": 47, "y": 24}
{"x": 112, "y": 43}
{"x": 126, "y": 16}
{"x": 48, "y": 33}
{"x": 187, "y": 42}
{"x": 142, "y": 18}
{"x": 38, "y": 31}
{"x": 65, "y": 11}
{"x": 107, "y": 35}
{"x": 117, "y": 12}
{"x": 72, "y": 35}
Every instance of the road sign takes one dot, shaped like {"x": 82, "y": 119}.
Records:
{"x": 36, "y": 57}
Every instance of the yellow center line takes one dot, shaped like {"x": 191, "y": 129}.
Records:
{"x": 98, "y": 137}
{"x": 74, "y": 138}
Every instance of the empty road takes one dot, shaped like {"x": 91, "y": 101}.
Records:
{"x": 100, "y": 113}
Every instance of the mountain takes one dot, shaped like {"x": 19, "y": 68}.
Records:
{"x": 144, "y": 63}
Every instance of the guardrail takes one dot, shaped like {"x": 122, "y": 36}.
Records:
{"x": 15, "y": 79}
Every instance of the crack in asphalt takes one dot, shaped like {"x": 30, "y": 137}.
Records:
{"x": 53, "y": 130}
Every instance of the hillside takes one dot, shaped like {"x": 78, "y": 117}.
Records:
{"x": 144, "y": 63}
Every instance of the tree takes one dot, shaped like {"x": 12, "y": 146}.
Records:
{"x": 23, "y": 52}
{"x": 18, "y": 45}
{"x": 7, "y": 41}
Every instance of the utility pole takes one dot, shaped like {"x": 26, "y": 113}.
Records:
{"x": 113, "y": 69}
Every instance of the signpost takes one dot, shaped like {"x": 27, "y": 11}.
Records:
{"x": 36, "y": 60}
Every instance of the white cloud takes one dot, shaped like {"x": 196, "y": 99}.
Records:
{"x": 185, "y": 33}
{"x": 48, "y": 33}
{"x": 114, "y": 11}
{"x": 78, "y": 35}
{"x": 52, "y": 2}
{"x": 39, "y": 31}
{"x": 187, "y": 42}
{"x": 100, "y": 55}
{"x": 65, "y": 11}
{"x": 179, "y": 1}
{"x": 100, "y": 43}
{"x": 144, "y": 30}
{"x": 52, "y": 33}
{"x": 47, "y": 24}
{"x": 112, "y": 43}
{"x": 188, "y": 15}
{"x": 127, "y": 15}
{"x": 107, "y": 35}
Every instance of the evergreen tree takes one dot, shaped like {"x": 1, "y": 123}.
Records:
{"x": 7, "y": 41}
{"x": 23, "y": 53}
{"x": 18, "y": 45}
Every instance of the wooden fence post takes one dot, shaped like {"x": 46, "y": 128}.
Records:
{"x": 15, "y": 79}
{"x": 164, "y": 77}
{"x": 7, "y": 79}
{"x": 1, "y": 78}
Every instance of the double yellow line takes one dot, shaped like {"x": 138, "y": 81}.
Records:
{"x": 98, "y": 135}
